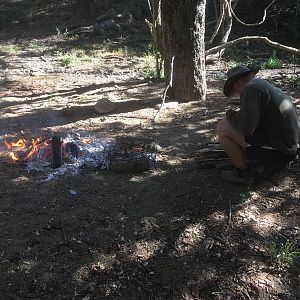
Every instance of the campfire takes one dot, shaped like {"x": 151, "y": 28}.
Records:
{"x": 59, "y": 155}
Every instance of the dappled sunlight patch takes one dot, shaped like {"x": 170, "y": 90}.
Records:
{"x": 211, "y": 121}
{"x": 204, "y": 131}
{"x": 190, "y": 238}
{"x": 102, "y": 262}
{"x": 263, "y": 222}
{"x": 171, "y": 161}
{"x": 268, "y": 222}
{"x": 27, "y": 265}
{"x": 218, "y": 216}
{"x": 81, "y": 274}
{"x": 136, "y": 179}
{"x": 157, "y": 172}
{"x": 264, "y": 282}
{"x": 144, "y": 250}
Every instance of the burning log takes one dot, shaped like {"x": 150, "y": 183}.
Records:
{"x": 56, "y": 152}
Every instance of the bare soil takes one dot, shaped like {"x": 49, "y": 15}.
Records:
{"x": 175, "y": 232}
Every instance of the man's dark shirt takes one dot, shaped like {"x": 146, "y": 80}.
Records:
{"x": 265, "y": 107}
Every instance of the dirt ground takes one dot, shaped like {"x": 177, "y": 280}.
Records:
{"x": 174, "y": 232}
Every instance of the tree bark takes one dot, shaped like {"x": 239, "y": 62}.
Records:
{"x": 183, "y": 27}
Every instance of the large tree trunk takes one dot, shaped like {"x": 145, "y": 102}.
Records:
{"x": 183, "y": 27}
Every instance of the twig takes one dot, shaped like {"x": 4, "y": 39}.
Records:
{"x": 244, "y": 292}
{"x": 168, "y": 86}
{"x": 230, "y": 212}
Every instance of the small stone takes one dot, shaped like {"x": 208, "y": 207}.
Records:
{"x": 104, "y": 106}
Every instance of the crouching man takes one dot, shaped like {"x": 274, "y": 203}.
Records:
{"x": 265, "y": 131}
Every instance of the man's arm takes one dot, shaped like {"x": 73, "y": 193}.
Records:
{"x": 247, "y": 118}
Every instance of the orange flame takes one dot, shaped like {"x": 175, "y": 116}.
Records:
{"x": 34, "y": 147}
{"x": 20, "y": 143}
{"x": 13, "y": 156}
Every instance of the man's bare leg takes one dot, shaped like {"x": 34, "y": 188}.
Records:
{"x": 233, "y": 142}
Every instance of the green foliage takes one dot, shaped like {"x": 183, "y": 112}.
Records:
{"x": 37, "y": 48}
{"x": 294, "y": 80}
{"x": 231, "y": 64}
{"x": 194, "y": 237}
{"x": 273, "y": 62}
{"x": 2, "y": 61}
{"x": 68, "y": 60}
{"x": 285, "y": 253}
{"x": 9, "y": 49}
{"x": 151, "y": 58}
{"x": 72, "y": 56}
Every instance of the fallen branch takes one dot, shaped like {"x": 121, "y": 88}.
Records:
{"x": 82, "y": 29}
{"x": 253, "y": 38}
{"x": 90, "y": 28}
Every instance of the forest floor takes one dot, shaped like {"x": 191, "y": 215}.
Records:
{"x": 174, "y": 232}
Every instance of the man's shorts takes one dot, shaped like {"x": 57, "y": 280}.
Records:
{"x": 258, "y": 149}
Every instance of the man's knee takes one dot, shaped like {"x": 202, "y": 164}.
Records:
{"x": 223, "y": 128}
{"x": 225, "y": 131}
